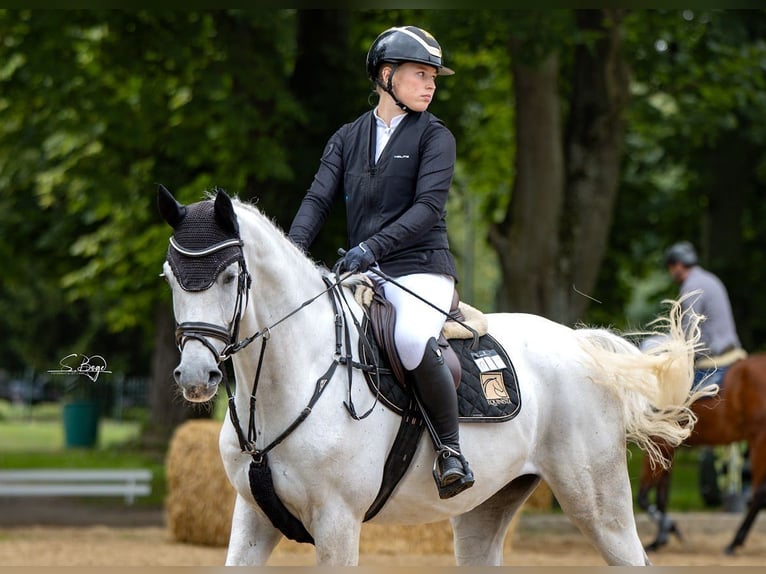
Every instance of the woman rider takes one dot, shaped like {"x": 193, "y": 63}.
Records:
{"x": 393, "y": 165}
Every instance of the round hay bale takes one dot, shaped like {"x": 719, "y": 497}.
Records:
{"x": 200, "y": 499}
{"x": 390, "y": 539}
{"x": 436, "y": 538}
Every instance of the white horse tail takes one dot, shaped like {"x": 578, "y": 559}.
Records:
{"x": 654, "y": 385}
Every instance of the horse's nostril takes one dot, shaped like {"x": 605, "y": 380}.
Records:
{"x": 177, "y": 375}
{"x": 214, "y": 377}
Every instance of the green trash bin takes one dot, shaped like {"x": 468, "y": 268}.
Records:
{"x": 81, "y": 424}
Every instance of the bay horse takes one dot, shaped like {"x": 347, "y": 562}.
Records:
{"x": 584, "y": 391}
{"x": 737, "y": 413}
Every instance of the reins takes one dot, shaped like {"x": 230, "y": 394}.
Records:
{"x": 348, "y": 360}
{"x": 200, "y": 331}
{"x": 247, "y": 444}
{"x": 447, "y": 314}
{"x": 233, "y": 348}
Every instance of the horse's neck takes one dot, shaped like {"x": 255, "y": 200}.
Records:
{"x": 282, "y": 276}
{"x": 282, "y": 280}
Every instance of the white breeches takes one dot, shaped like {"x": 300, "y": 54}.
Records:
{"x": 416, "y": 322}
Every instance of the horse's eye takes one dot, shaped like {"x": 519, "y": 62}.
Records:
{"x": 228, "y": 278}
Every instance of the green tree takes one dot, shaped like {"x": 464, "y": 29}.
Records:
{"x": 569, "y": 129}
{"x": 694, "y": 165}
{"x": 99, "y": 106}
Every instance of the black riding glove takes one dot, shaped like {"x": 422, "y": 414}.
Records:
{"x": 357, "y": 259}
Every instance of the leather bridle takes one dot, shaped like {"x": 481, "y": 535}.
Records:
{"x": 202, "y": 331}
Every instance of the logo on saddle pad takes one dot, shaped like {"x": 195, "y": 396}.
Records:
{"x": 494, "y": 389}
{"x": 490, "y": 366}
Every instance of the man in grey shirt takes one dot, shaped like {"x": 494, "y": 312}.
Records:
{"x": 718, "y": 334}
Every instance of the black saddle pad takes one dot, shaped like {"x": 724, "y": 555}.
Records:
{"x": 488, "y": 391}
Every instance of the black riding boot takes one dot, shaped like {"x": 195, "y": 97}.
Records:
{"x": 435, "y": 387}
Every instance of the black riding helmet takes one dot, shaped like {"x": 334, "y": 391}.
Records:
{"x": 404, "y": 44}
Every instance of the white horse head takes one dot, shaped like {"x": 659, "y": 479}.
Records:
{"x": 206, "y": 271}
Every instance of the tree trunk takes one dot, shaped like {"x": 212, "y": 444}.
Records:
{"x": 727, "y": 180}
{"x": 553, "y": 239}
{"x": 527, "y": 240}
{"x": 326, "y": 74}
{"x": 594, "y": 146}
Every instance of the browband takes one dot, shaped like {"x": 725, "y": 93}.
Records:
{"x": 207, "y": 250}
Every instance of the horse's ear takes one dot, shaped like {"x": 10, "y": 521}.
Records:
{"x": 224, "y": 212}
{"x": 171, "y": 211}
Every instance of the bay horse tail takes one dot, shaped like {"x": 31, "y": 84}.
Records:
{"x": 654, "y": 384}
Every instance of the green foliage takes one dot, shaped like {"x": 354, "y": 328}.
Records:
{"x": 692, "y": 169}
{"x": 97, "y": 106}
{"x": 477, "y": 105}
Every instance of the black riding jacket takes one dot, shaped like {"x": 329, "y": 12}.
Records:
{"x": 397, "y": 205}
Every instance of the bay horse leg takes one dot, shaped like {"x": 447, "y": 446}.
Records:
{"x": 757, "y": 502}
{"x": 658, "y": 479}
{"x": 253, "y": 537}
{"x": 665, "y": 524}
{"x": 479, "y": 535}
{"x": 758, "y": 498}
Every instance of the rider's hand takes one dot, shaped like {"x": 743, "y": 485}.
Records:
{"x": 357, "y": 259}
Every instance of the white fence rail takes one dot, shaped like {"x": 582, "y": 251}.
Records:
{"x": 128, "y": 483}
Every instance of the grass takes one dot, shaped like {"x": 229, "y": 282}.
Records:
{"x": 40, "y": 428}
{"x": 48, "y": 436}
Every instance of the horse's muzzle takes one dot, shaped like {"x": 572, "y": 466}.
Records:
{"x": 199, "y": 387}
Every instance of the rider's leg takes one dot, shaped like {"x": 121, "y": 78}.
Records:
{"x": 417, "y": 326}
{"x": 434, "y": 385}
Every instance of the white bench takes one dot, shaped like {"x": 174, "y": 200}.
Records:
{"x": 80, "y": 482}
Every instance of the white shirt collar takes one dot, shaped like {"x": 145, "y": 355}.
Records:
{"x": 395, "y": 121}
{"x": 383, "y": 132}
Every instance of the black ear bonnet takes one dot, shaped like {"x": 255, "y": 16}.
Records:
{"x": 201, "y": 247}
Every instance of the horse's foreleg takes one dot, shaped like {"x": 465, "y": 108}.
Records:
{"x": 253, "y": 537}
{"x": 479, "y": 535}
{"x": 757, "y": 502}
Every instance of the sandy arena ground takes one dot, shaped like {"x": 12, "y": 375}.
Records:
{"x": 63, "y": 533}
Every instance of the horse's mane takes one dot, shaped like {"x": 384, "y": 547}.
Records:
{"x": 271, "y": 227}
